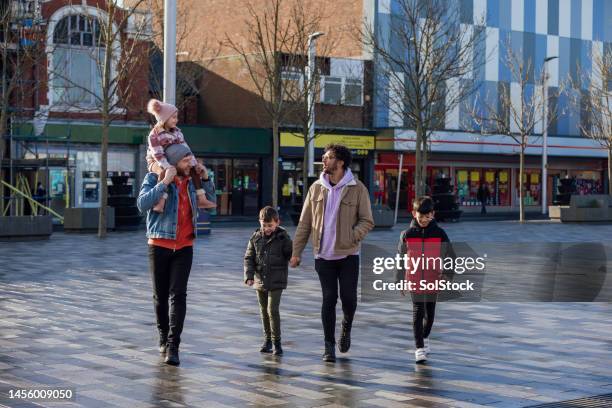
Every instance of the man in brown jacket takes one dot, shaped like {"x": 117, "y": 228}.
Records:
{"x": 337, "y": 216}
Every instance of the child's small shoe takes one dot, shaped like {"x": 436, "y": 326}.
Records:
{"x": 420, "y": 355}
{"x": 266, "y": 347}
{"x": 203, "y": 202}
{"x": 278, "y": 349}
{"x": 159, "y": 207}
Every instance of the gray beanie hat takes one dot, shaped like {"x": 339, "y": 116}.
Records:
{"x": 176, "y": 152}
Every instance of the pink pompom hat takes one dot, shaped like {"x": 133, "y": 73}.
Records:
{"x": 161, "y": 110}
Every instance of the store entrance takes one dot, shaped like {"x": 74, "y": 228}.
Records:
{"x": 238, "y": 185}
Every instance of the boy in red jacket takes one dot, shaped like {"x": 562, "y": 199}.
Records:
{"x": 427, "y": 247}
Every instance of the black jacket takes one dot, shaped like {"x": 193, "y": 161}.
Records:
{"x": 266, "y": 260}
{"x": 418, "y": 238}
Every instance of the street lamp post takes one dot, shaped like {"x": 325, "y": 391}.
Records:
{"x": 310, "y": 69}
{"x": 545, "y": 135}
{"x": 170, "y": 51}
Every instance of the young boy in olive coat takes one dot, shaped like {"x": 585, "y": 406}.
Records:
{"x": 266, "y": 264}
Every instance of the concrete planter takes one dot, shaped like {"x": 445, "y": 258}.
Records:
{"x": 587, "y": 208}
{"x": 86, "y": 219}
{"x": 26, "y": 228}
{"x": 383, "y": 217}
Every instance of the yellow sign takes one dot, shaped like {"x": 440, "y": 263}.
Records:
{"x": 490, "y": 176}
{"x": 503, "y": 176}
{"x": 364, "y": 142}
{"x": 535, "y": 178}
{"x": 462, "y": 176}
{"x": 475, "y": 176}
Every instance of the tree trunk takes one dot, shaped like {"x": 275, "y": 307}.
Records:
{"x": 610, "y": 169}
{"x": 106, "y": 119}
{"x": 418, "y": 163}
{"x": 275, "y": 155}
{"x": 521, "y": 170}
{"x": 424, "y": 166}
{"x": 3, "y": 115}
{"x": 305, "y": 167}
{"x": 103, "y": 180}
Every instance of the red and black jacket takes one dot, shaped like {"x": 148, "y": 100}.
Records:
{"x": 428, "y": 242}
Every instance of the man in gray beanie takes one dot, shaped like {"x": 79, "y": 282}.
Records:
{"x": 171, "y": 234}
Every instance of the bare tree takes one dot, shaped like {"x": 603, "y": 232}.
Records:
{"x": 120, "y": 34}
{"x": 191, "y": 60}
{"x": 425, "y": 62}
{"x": 517, "y": 112}
{"x": 274, "y": 43}
{"x": 307, "y": 20}
{"x": 591, "y": 93}
{"x": 21, "y": 34}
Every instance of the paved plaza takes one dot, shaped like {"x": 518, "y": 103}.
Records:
{"x": 77, "y": 313}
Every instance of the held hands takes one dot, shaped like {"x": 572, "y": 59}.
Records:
{"x": 169, "y": 176}
{"x": 294, "y": 261}
{"x": 249, "y": 282}
{"x": 201, "y": 171}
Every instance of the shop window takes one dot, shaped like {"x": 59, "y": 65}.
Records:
{"x": 588, "y": 182}
{"x": 497, "y": 181}
{"x": 532, "y": 184}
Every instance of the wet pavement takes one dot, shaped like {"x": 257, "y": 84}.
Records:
{"x": 77, "y": 313}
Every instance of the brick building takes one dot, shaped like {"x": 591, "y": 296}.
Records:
{"x": 55, "y": 122}
{"x": 234, "y": 137}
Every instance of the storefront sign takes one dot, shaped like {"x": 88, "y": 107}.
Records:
{"x": 475, "y": 176}
{"x": 358, "y": 142}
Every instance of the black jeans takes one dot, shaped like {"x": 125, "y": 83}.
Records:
{"x": 345, "y": 274}
{"x": 170, "y": 273}
{"x": 423, "y": 313}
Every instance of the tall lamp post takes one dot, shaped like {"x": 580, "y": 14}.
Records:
{"x": 310, "y": 69}
{"x": 545, "y": 135}
{"x": 170, "y": 51}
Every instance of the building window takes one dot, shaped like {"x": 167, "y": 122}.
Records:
{"x": 293, "y": 84}
{"x": 77, "y": 57}
{"x": 342, "y": 91}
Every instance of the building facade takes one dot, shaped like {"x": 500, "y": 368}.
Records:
{"x": 230, "y": 102}
{"x": 568, "y": 29}
{"x": 54, "y": 133}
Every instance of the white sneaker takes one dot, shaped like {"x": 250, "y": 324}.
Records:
{"x": 420, "y": 355}
{"x": 426, "y": 345}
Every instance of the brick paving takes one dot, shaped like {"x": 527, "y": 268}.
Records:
{"x": 77, "y": 312}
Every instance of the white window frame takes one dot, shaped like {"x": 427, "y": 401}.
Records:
{"x": 342, "y": 81}
{"x": 56, "y": 105}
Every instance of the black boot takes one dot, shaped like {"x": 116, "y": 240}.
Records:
{"x": 278, "y": 350}
{"x": 345, "y": 337}
{"x": 330, "y": 352}
{"x": 266, "y": 347}
{"x": 172, "y": 355}
{"x": 163, "y": 342}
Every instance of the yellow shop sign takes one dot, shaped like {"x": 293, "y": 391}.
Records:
{"x": 363, "y": 142}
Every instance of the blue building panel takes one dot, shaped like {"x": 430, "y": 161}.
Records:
{"x": 538, "y": 39}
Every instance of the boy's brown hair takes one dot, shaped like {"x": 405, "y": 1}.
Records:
{"x": 268, "y": 214}
{"x": 423, "y": 204}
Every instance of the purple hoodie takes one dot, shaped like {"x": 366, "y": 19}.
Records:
{"x": 330, "y": 217}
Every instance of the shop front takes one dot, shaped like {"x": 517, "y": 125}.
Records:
{"x": 499, "y": 174}
{"x": 239, "y": 163}
{"x": 292, "y": 156}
